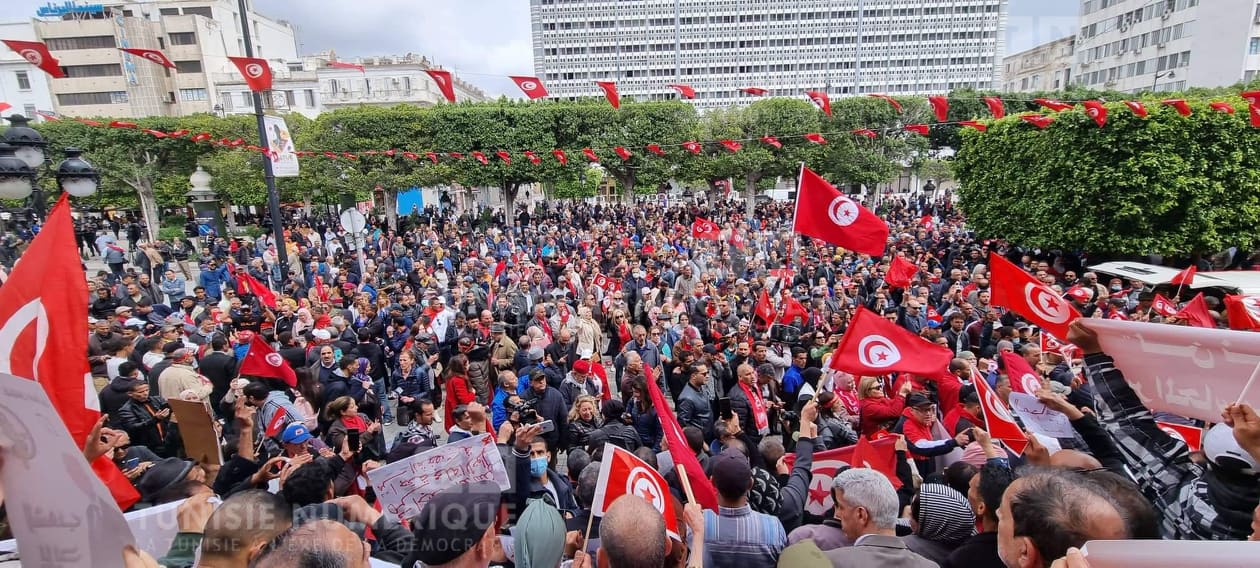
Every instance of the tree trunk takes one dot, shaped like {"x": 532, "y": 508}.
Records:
{"x": 750, "y": 193}
{"x": 391, "y": 208}
{"x": 306, "y": 204}
{"x": 509, "y": 203}
{"x": 148, "y": 206}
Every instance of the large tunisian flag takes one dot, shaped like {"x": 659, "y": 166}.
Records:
{"x": 875, "y": 346}
{"x": 701, "y": 487}
{"x": 622, "y": 473}
{"x": 44, "y": 335}
{"x": 825, "y": 213}
{"x": 1019, "y": 291}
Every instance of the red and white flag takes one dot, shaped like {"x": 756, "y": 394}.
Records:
{"x": 824, "y": 212}
{"x": 927, "y": 223}
{"x": 347, "y": 65}
{"x": 44, "y": 335}
{"x": 900, "y": 272}
{"x": 608, "y": 284}
{"x": 764, "y": 310}
{"x": 621, "y": 473}
{"x": 560, "y": 156}
{"x": 703, "y": 228}
{"x": 277, "y": 423}
{"x": 263, "y": 361}
{"x": 1000, "y": 424}
{"x": 873, "y": 345}
{"x": 37, "y": 54}
{"x": 685, "y": 91}
{"x": 737, "y": 240}
{"x": 879, "y": 455}
{"x": 610, "y": 92}
{"x": 1163, "y": 306}
{"x": 1096, "y": 111}
{"x": 1052, "y": 344}
{"x": 150, "y": 54}
{"x": 1023, "y": 378}
{"x": 256, "y": 72}
{"x": 1243, "y": 311}
{"x": 821, "y": 100}
{"x": 793, "y": 309}
{"x": 247, "y": 284}
{"x": 444, "y": 82}
{"x": 1196, "y": 313}
{"x": 1185, "y": 277}
{"x": 701, "y": 488}
{"x": 532, "y": 86}
{"x": 1017, "y": 290}
{"x": 1191, "y": 435}
{"x": 755, "y": 91}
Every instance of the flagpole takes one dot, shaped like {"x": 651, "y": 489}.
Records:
{"x": 686, "y": 484}
{"x": 269, "y": 175}
{"x": 1247, "y": 387}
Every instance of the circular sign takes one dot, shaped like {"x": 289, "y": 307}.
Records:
{"x": 1045, "y": 304}
{"x": 529, "y": 85}
{"x": 842, "y": 211}
{"x": 274, "y": 359}
{"x": 254, "y": 70}
{"x": 641, "y": 483}
{"x": 33, "y": 56}
{"x": 877, "y": 351}
{"x": 352, "y": 220}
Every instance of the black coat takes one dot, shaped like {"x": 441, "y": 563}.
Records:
{"x": 979, "y": 551}
{"x": 550, "y": 406}
{"x": 220, "y": 368}
{"x": 113, "y": 397}
{"x": 142, "y": 426}
{"x": 376, "y": 357}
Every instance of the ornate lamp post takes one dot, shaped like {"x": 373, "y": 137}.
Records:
{"x": 26, "y": 146}
{"x": 205, "y": 202}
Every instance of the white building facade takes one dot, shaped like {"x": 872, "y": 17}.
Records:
{"x": 23, "y": 86}
{"x": 1167, "y": 45}
{"x": 196, "y": 35}
{"x": 1047, "y": 67}
{"x": 846, "y": 47}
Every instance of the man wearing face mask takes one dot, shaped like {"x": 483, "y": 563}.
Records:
{"x": 532, "y": 457}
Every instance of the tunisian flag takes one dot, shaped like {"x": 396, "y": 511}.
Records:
{"x": 1243, "y": 311}
{"x": 531, "y": 86}
{"x": 880, "y": 455}
{"x": 247, "y": 284}
{"x": 444, "y": 83}
{"x": 44, "y": 336}
{"x": 900, "y": 273}
{"x": 37, "y": 54}
{"x": 1185, "y": 277}
{"x": 764, "y": 310}
{"x": 1019, "y": 291}
{"x": 610, "y": 93}
{"x": 793, "y": 309}
{"x": 997, "y": 417}
{"x": 685, "y": 91}
{"x": 875, "y": 346}
{"x": 1023, "y": 378}
{"x": 150, "y": 54}
{"x": 823, "y": 212}
{"x": 701, "y": 487}
{"x": 256, "y": 72}
{"x": 1163, "y": 306}
{"x": 263, "y": 361}
{"x": 703, "y": 228}
{"x": 1196, "y": 313}
{"x": 621, "y": 473}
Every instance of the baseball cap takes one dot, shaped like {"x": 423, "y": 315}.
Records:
{"x": 120, "y": 310}
{"x": 535, "y": 354}
{"x": 730, "y": 472}
{"x": 917, "y": 399}
{"x": 321, "y": 334}
{"x": 295, "y": 433}
{"x": 1079, "y": 294}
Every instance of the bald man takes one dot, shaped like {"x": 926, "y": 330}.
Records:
{"x": 319, "y": 543}
{"x": 241, "y": 527}
{"x": 1048, "y": 511}
{"x": 632, "y": 535}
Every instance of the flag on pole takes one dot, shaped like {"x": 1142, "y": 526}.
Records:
{"x": 1023, "y": 378}
{"x": 1163, "y": 306}
{"x": 900, "y": 273}
{"x": 875, "y": 346}
{"x": 256, "y": 72}
{"x": 1017, "y": 290}
{"x": 263, "y": 361}
{"x": 622, "y": 473}
{"x": 1000, "y": 424}
{"x": 824, "y": 212}
{"x": 703, "y": 228}
{"x": 44, "y": 335}
{"x": 880, "y": 455}
{"x": 701, "y": 488}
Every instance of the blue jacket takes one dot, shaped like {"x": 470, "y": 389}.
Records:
{"x": 214, "y": 280}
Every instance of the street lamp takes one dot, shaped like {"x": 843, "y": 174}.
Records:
{"x": 16, "y": 178}
{"x": 1169, "y": 73}
{"x": 26, "y": 146}
{"x": 76, "y": 176}
{"x": 27, "y": 142}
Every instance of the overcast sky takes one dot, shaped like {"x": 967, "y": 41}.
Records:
{"x": 484, "y": 40}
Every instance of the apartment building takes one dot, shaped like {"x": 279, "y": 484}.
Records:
{"x": 846, "y": 47}
{"x": 1047, "y": 67}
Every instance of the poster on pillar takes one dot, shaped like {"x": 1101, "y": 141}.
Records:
{"x": 284, "y": 160}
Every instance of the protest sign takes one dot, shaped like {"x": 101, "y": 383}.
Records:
{"x": 1170, "y": 553}
{"x": 197, "y": 429}
{"x": 1188, "y": 371}
{"x": 1040, "y": 419}
{"x": 405, "y": 486}
{"x": 60, "y": 512}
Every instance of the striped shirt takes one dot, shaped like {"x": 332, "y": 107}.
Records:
{"x": 742, "y": 537}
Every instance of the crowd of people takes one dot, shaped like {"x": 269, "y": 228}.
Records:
{"x": 547, "y": 330}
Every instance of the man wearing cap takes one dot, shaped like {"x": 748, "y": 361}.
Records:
{"x": 550, "y": 405}
{"x": 181, "y": 376}
{"x": 502, "y": 348}
{"x": 457, "y": 528}
{"x": 296, "y": 439}
{"x": 578, "y": 383}
{"x": 916, "y": 424}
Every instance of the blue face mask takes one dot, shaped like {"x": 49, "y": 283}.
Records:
{"x": 538, "y": 467}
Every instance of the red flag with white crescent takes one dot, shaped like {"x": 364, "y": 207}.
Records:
{"x": 1023, "y": 378}
{"x": 150, "y": 54}
{"x": 997, "y": 417}
{"x": 37, "y": 54}
{"x": 1191, "y": 435}
{"x": 703, "y": 228}
{"x": 685, "y": 91}
{"x": 256, "y": 72}
{"x": 263, "y": 361}
{"x": 610, "y": 92}
{"x": 873, "y": 345}
{"x": 1052, "y": 344}
{"x": 622, "y": 473}
{"x": 1017, "y": 290}
{"x": 821, "y": 100}
{"x": 444, "y": 82}
{"x": 44, "y": 335}
{"x": 879, "y": 455}
{"x": 1163, "y": 306}
{"x": 531, "y": 86}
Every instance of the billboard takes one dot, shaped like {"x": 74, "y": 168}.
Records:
{"x": 284, "y": 160}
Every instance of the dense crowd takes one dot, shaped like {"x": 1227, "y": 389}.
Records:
{"x": 547, "y": 330}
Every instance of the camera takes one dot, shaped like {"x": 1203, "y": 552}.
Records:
{"x": 524, "y": 410}
{"x": 792, "y": 416}
{"x": 785, "y": 333}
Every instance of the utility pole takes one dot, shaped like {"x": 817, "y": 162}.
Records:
{"x": 273, "y": 196}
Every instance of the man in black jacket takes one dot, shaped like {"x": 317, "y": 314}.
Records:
{"x": 219, "y": 365}
{"x": 147, "y": 420}
{"x": 549, "y": 404}
{"x": 693, "y": 407}
{"x": 742, "y": 405}
{"x": 985, "y": 495}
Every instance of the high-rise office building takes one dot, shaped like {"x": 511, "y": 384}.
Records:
{"x": 196, "y": 35}
{"x": 1167, "y": 45}
{"x": 846, "y": 47}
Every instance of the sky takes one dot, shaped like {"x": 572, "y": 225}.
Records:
{"x": 485, "y": 40}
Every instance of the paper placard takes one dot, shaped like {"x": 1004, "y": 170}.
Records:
{"x": 405, "y": 486}
{"x": 1040, "y": 419}
{"x": 197, "y": 429}
{"x": 1171, "y": 553}
{"x": 61, "y": 513}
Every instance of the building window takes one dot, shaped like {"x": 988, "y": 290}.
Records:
{"x": 226, "y": 99}
{"x": 198, "y": 11}
{"x": 289, "y": 99}
{"x": 184, "y": 38}
{"x": 105, "y": 70}
{"x": 309, "y": 96}
{"x": 105, "y": 98}
{"x": 29, "y": 110}
{"x": 1253, "y": 48}
{"x": 87, "y": 42}
{"x": 168, "y": 11}
{"x": 193, "y": 95}
{"x": 23, "y": 80}
{"x": 193, "y": 66}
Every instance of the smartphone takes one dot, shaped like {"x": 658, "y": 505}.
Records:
{"x": 724, "y": 408}
{"x": 275, "y": 469}
{"x": 132, "y": 463}
{"x": 353, "y": 439}
{"x": 547, "y": 426}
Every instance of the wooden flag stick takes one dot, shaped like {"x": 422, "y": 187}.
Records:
{"x": 686, "y": 485}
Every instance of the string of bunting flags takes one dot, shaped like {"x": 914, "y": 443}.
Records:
{"x": 258, "y": 76}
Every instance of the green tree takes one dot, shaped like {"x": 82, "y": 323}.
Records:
{"x": 596, "y": 125}
{"x": 1167, "y": 184}
{"x": 579, "y": 185}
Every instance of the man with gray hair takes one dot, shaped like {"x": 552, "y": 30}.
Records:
{"x": 866, "y": 506}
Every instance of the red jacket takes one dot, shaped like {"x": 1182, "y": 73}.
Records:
{"x": 878, "y": 410}
{"x": 457, "y": 392}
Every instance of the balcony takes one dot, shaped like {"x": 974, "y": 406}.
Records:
{"x": 387, "y": 96}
